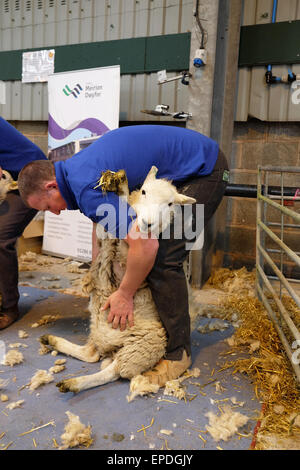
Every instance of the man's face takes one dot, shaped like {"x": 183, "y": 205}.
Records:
{"x": 49, "y": 199}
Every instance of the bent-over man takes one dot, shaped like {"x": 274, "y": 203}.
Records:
{"x": 196, "y": 166}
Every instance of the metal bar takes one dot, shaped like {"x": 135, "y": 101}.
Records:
{"x": 280, "y": 332}
{"x": 283, "y": 209}
{"x": 273, "y": 250}
{"x": 278, "y": 169}
{"x": 281, "y": 231}
{"x": 277, "y": 224}
{"x": 286, "y": 198}
{"x": 287, "y": 278}
{"x": 291, "y": 325}
{"x": 250, "y": 190}
{"x": 280, "y": 276}
{"x": 265, "y": 189}
{"x": 282, "y": 245}
{"x": 259, "y": 240}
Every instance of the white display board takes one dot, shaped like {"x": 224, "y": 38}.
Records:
{"x": 69, "y": 235}
{"x": 83, "y": 106}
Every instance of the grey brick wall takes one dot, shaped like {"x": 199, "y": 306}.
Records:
{"x": 258, "y": 143}
{"x": 36, "y": 131}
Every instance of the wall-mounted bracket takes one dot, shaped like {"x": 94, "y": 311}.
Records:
{"x": 162, "y": 77}
{"x": 163, "y": 110}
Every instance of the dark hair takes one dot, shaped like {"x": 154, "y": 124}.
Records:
{"x": 32, "y": 177}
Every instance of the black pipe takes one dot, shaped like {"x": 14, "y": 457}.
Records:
{"x": 250, "y": 191}
{"x": 202, "y": 30}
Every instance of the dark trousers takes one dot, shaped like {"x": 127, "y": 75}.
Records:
{"x": 14, "y": 217}
{"x": 167, "y": 279}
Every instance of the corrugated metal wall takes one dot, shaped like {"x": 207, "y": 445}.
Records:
{"x": 255, "y": 98}
{"x": 43, "y": 23}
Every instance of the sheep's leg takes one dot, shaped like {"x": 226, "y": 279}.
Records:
{"x": 77, "y": 384}
{"x": 86, "y": 353}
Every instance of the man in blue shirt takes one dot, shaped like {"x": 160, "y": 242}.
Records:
{"x": 15, "y": 152}
{"x": 195, "y": 165}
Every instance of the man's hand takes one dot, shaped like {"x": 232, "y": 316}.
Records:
{"x": 121, "y": 309}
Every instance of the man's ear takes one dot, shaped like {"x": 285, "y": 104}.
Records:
{"x": 52, "y": 184}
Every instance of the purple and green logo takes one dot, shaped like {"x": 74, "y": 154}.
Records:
{"x": 75, "y": 92}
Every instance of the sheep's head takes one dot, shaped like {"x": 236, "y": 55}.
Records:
{"x": 6, "y": 184}
{"x": 155, "y": 203}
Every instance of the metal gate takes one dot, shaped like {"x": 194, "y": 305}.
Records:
{"x": 271, "y": 261}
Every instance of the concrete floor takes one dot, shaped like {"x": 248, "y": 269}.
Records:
{"x": 115, "y": 422}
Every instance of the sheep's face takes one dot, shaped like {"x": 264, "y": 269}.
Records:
{"x": 5, "y": 185}
{"x": 156, "y": 204}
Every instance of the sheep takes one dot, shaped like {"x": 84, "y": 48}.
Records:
{"x": 6, "y": 184}
{"x": 138, "y": 348}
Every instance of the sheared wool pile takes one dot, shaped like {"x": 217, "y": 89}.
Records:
{"x": 225, "y": 425}
{"x": 174, "y": 388}
{"x": 76, "y": 433}
{"x": 18, "y": 345}
{"x": 13, "y": 357}
{"x": 59, "y": 365}
{"x": 57, "y": 368}
{"x": 74, "y": 268}
{"x": 275, "y": 442}
{"x": 15, "y": 404}
{"x": 3, "y": 383}
{"x": 37, "y": 259}
{"x": 22, "y": 334}
{"x": 213, "y": 325}
{"x": 237, "y": 281}
{"x": 140, "y": 385}
{"x": 45, "y": 320}
{"x": 41, "y": 377}
{"x": 60, "y": 362}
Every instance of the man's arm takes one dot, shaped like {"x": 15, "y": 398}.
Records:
{"x": 0, "y": 172}
{"x": 140, "y": 260}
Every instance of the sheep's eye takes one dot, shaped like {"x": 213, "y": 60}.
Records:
{"x": 170, "y": 204}
{"x": 4, "y": 176}
{"x": 143, "y": 192}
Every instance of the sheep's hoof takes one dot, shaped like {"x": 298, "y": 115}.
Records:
{"x": 67, "y": 386}
{"x": 44, "y": 339}
{"x": 48, "y": 340}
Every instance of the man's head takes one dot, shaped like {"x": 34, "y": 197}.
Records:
{"x": 38, "y": 187}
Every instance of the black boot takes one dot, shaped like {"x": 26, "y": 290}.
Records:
{"x": 8, "y": 316}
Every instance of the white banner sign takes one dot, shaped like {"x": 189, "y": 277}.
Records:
{"x": 68, "y": 234}
{"x": 83, "y": 105}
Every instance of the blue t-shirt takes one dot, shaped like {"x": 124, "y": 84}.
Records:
{"x": 16, "y": 150}
{"x": 178, "y": 154}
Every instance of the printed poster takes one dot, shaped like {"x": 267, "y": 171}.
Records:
{"x": 83, "y": 106}
{"x": 37, "y": 65}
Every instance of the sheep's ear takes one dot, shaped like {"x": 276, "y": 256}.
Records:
{"x": 182, "y": 199}
{"x": 152, "y": 174}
